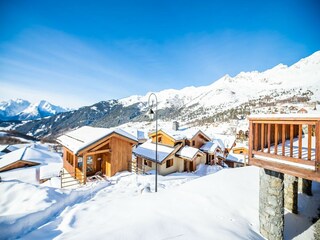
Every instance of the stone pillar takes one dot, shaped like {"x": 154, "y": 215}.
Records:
{"x": 317, "y": 230}
{"x": 291, "y": 193}
{"x": 307, "y": 187}
{"x": 271, "y": 205}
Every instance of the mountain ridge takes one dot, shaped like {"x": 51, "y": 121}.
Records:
{"x": 223, "y": 100}
{"x": 20, "y": 109}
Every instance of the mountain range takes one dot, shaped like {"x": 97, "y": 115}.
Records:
{"x": 19, "y": 109}
{"x": 223, "y": 100}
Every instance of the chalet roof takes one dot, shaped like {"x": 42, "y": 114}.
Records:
{"x": 181, "y": 134}
{"x": 83, "y": 137}
{"x": 8, "y": 148}
{"x": 34, "y": 154}
{"x": 210, "y": 147}
{"x": 138, "y": 133}
{"x": 188, "y": 152}
{"x": 238, "y": 158}
{"x": 227, "y": 140}
{"x": 148, "y": 150}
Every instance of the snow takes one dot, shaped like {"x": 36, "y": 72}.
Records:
{"x": 148, "y": 150}
{"x": 85, "y": 136}
{"x": 188, "y": 152}
{"x": 186, "y": 206}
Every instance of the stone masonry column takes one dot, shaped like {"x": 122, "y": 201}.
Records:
{"x": 291, "y": 193}
{"x": 271, "y": 204}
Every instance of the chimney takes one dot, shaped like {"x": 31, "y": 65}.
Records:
{"x": 175, "y": 125}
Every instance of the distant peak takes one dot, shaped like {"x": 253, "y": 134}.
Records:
{"x": 280, "y": 66}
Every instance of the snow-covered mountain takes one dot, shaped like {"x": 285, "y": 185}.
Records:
{"x": 229, "y": 92}
{"x": 12, "y": 108}
{"x": 19, "y": 109}
{"x": 225, "y": 100}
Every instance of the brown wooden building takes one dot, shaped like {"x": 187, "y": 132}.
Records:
{"x": 178, "y": 151}
{"x": 89, "y": 150}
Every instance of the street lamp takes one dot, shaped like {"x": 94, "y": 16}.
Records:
{"x": 153, "y": 114}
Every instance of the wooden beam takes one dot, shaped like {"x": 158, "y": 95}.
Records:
{"x": 255, "y": 140}
{"x": 276, "y": 139}
{"x": 300, "y": 141}
{"x": 262, "y": 137}
{"x": 318, "y": 147}
{"x": 250, "y": 139}
{"x": 100, "y": 151}
{"x": 84, "y": 168}
{"x": 286, "y": 169}
{"x": 283, "y": 139}
{"x": 100, "y": 145}
{"x": 291, "y": 140}
{"x": 284, "y": 158}
{"x": 287, "y": 121}
{"x": 309, "y": 141}
{"x": 269, "y": 137}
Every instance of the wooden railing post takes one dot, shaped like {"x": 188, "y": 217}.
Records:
{"x": 317, "y": 156}
{"x": 276, "y": 139}
{"x": 300, "y": 142}
{"x": 250, "y": 139}
{"x": 283, "y": 139}
{"x": 309, "y": 141}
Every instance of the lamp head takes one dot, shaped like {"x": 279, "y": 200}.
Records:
{"x": 151, "y": 113}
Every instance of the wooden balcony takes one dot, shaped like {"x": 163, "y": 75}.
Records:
{"x": 286, "y": 143}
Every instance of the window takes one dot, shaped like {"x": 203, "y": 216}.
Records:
{"x": 169, "y": 163}
{"x": 193, "y": 142}
{"x": 147, "y": 163}
{"x": 159, "y": 139}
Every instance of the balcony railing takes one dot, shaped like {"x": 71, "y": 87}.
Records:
{"x": 287, "y": 144}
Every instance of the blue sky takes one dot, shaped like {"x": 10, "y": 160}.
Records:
{"x": 76, "y": 53}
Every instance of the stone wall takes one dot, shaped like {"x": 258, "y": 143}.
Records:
{"x": 291, "y": 193}
{"x": 271, "y": 207}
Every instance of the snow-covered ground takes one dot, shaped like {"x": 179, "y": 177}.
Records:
{"x": 223, "y": 205}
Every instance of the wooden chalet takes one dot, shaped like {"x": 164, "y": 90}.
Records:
{"x": 288, "y": 144}
{"x": 17, "y": 159}
{"x": 89, "y": 150}
{"x": 178, "y": 151}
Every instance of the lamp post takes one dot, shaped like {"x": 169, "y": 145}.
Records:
{"x": 154, "y": 114}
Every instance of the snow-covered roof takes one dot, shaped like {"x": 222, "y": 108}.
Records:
{"x": 188, "y": 152}
{"x": 138, "y": 133}
{"x": 8, "y": 147}
{"x": 31, "y": 154}
{"x": 210, "y": 147}
{"x": 239, "y": 158}
{"x": 148, "y": 150}
{"x": 85, "y": 136}
{"x": 180, "y": 134}
{"x": 227, "y": 140}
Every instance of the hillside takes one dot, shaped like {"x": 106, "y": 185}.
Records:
{"x": 274, "y": 90}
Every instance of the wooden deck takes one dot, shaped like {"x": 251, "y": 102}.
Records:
{"x": 287, "y": 144}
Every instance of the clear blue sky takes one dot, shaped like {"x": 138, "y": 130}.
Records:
{"x": 76, "y": 53}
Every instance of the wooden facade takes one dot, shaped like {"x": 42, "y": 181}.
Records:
{"x": 179, "y": 163}
{"x": 276, "y": 143}
{"x": 108, "y": 156}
